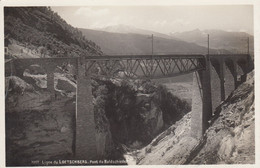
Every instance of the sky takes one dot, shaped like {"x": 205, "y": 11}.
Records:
{"x": 163, "y": 19}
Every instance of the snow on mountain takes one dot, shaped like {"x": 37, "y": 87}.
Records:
{"x": 131, "y": 29}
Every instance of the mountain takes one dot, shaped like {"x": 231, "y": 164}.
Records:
{"x": 131, "y": 29}
{"x": 38, "y": 31}
{"x": 130, "y": 43}
{"x": 235, "y": 42}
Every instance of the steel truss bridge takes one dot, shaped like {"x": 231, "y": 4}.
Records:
{"x": 142, "y": 66}
{"x": 209, "y": 83}
{"x": 128, "y": 66}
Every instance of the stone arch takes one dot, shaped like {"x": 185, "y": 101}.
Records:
{"x": 230, "y": 80}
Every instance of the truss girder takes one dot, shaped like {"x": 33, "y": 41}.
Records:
{"x": 143, "y": 67}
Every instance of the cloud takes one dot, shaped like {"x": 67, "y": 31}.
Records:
{"x": 181, "y": 22}
{"x": 104, "y": 22}
{"x": 243, "y": 30}
{"x": 160, "y": 23}
{"x": 91, "y": 12}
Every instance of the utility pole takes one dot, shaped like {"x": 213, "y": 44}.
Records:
{"x": 152, "y": 55}
{"x": 152, "y": 44}
{"x": 208, "y": 49}
{"x": 208, "y": 44}
{"x": 248, "y": 45}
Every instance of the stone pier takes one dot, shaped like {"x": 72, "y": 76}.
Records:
{"x": 213, "y": 85}
{"x": 217, "y": 83}
{"x": 229, "y": 78}
{"x": 85, "y": 147}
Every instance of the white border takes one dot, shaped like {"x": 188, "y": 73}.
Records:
{"x": 256, "y": 4}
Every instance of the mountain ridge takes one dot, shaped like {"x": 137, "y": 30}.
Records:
{"x": 130, "y": 43}
{"x": 235, "y": 42}
{"x": 125, "y": 29}
{"x": 220, "y": 40}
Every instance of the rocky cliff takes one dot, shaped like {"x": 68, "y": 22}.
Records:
{"x": 36, "y": 127}
{"x": 137, "y": 110}
{"x": 231, "y": 138}
{"x": 128, "y": 115}
{"x": 228, "y": 140}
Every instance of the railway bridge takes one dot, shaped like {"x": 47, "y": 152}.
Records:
{"x": 214, "y": 78}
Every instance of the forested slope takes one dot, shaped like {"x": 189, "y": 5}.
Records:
{"x": 43, "y": 32}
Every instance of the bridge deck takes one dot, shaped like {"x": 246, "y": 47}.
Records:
{"x": 130, "y": 66}
{"x": 122, "y": 57}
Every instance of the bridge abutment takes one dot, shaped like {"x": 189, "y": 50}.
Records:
{"x": 85, "y": 147}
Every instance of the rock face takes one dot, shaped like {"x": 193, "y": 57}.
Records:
{"x": 169, "y": 147}
{"x": 36, "y": 69}
{"x": 127, "y": 116}
{"x": 105, "y": 144}
{"x": 150, "y": 114}
{"x": 17, "y": 85}
{"x": 36, "y": 127}
{"x": 65, "y": 85}
{"x": 229, "y": 139}
{"x": 132, "y": 116}
{"x": 145, "y": 121}
{"x": 139, "y": 111}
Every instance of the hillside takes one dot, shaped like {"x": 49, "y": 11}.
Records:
{"x": 219, "y": 39}
{"x": 131, "y": 43}
{"x": 40, "y": 32}
{"x": 230, "y": 139}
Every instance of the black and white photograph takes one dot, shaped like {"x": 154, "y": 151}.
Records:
{"x": 118, "y": 85}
